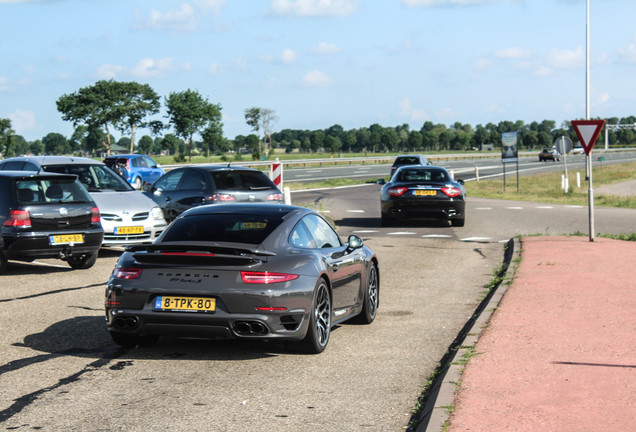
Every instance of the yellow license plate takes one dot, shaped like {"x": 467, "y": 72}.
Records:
{"x": 185, "y": 303}
{"x": 66, "y": 239}
{"x": 424, "y": 192}
{"x": 129, "y": 230}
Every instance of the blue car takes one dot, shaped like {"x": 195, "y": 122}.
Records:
{"x": 137, "y": 169}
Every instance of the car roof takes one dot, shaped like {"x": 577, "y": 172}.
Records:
{"x": 34, "y": 174}
{"x": 213, "y": 168}
{"x": 254, "y": 209}
{"x": 55, "y": 160}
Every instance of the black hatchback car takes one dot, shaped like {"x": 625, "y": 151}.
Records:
{"x": 183, "y": 188}
{"x": 423, "y": 192}
{"x": 47, "y": 215}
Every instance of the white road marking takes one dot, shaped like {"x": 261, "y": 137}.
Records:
{"x": 514, "y": 208}
{"x": 437, "y": 236}
{"x": 483, "y": 208}
{"x": 366, "y": 231}
{"x": 545, "y": 207}
{"x": 402, "y": 233}
{"x": 575, "y": 206}
{"x": 355, "y": 211}
{"x": 474, "y": 239}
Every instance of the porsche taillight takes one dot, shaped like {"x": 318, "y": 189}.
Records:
{"x": 18, "y": 218}
{"x": 266, "y": 277}
{"x": 126, "y": 272}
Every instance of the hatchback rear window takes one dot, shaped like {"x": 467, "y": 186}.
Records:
{"x": 407, "y": 161}
{"x": 407, "y": 175}
{"x": 41, "y": 191}
{"x": 237, "y": 180}
{"x": 249, "y": 229}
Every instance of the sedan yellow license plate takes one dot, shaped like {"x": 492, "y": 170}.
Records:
{"x": 185, "y": 303}
{"x": 66, "y": 239}
{"x": 129, "y": 230}
{"x": 424, "y": 192}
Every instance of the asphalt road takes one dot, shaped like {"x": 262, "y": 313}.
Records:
{"x": 60, "y": 371}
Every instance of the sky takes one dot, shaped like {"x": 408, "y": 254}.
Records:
{"x": 319, "y": 63}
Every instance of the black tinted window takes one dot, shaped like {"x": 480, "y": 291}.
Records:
{"x": 408, "y": 175}
{"x": 12, "y": 166}
{"x": 221, "y": 228}
{"x": 38, "y": 191}
{"x": 241, "y": 180}
{"x": 93, "y": 177}
{"x": 407, "y": 161}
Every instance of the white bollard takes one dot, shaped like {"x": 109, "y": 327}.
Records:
{"x": 477, "y": 173}
{"x": 578, "y": 179}
{"x": 287, "y": 194}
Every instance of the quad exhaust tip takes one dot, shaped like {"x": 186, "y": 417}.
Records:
{"x": 250, "y": 328}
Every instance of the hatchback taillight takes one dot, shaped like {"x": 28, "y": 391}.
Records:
{"x": 275, "y": 197}
{"x": 127, "y": 272}
{"x": 451, "y": 192}
{"x": 95, "y": 216}
{"x": 18, "y": 218}
{"x": 397, "y": 191}
{"x": 221, "y": 197}
{"x": 266, "y": 277}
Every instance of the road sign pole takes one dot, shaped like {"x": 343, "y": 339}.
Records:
{"x": 590, "y": 197}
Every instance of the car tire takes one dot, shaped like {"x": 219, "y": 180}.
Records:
{"x": 386, "y": 221}
{"x": 319, "y": 329}
{"x": 371, "y": 297}
{"x": 130, "y": 340}
{"x": 138, "y": 183}
{"x": 3, "y": 263}
{"x": 82, "y": 262}
{"x": 458, "y": 222}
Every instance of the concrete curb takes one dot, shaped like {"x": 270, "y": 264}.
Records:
{"x": 441, "y": 397}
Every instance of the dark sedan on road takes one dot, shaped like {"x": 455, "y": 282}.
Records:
{"x": 183, "y": 188}
{"x": 408, "y": 160}
{"x": 417, "y": 192}
{"x": 547, "y": 155}
{"x": 47, "y": 215}
{"x": 260, "y": 271}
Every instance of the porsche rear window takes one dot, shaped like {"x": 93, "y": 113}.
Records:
{"x": 221, "y": 228}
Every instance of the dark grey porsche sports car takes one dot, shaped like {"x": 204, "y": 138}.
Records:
{"x": 263, "y": 271}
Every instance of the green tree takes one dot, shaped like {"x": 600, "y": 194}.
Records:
{"x": 189, "y": 113}
{"x": 146, "y": 144}
{"x": 20, "y": 145}
{"x": 6, "y": 134}
{"x": 37, "y": 147}
{"x": 261, "y": 118}
{"x": 137, "y": 101}
{"x": 56, "y": 144}
{"x": 317, "y": 140}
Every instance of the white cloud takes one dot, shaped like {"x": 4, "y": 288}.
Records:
{"x": 627, "y": 54}
{"x": 145, "y": 68}
{"x": 316, "y": 78}
{"x": 22, "y": 120}
{"x": 288, "y": 56}
{"x": 603, "y": 99}
{"x": 413, "y": 114}
{"x": 214, "y": 68}
{"x": 313, "y": 8}
{"x": 325, "y": 48}
{"x": 183, "y": 19}
{"x": 513, "y": 53}
{"x": 482, "y": 63}
{"x": 214, "y": 5}
{"x": 566, "y": 59}
{"x": 436, "y": 3}
{"x": 544, "y": 71}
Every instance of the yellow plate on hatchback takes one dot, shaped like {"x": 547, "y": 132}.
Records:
{"x": 66, "y": 239}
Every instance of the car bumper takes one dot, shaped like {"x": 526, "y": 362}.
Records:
{"x": 235, "y": 314}
{"x": 149, "y": 234}
{"x": 25, "y": 246}
{"x": 437, "y": 209}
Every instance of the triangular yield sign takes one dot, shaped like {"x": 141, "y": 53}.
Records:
{"x": 588, "y": 131}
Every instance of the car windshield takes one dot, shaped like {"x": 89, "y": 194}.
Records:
{"x": 42, "y": 191}
{"x": 235, "y": 228}
{"x": 410, "y": 175}
{"x": 95, "y": 178}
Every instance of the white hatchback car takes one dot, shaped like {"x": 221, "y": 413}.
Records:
{"x": 127, "y": 215}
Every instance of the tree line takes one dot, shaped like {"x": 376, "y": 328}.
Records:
{"x": 98, "y": 110}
